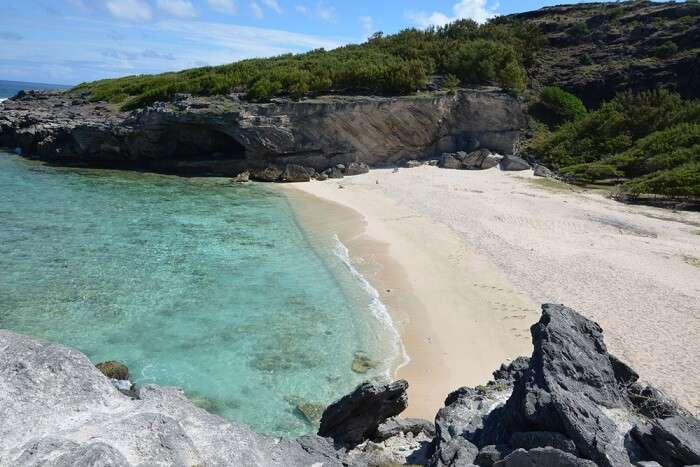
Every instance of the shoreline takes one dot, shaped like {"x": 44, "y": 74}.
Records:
{"x": 455, "y": 332}
{"x": 470, "y": 256}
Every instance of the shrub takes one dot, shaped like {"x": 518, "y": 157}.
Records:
{"x": 578, "y": 30}
{"x": 593, "y": 172}
{"x": 666, "y": 50}
{"x": 451, "y": 83}
{"x": 564, "y": 105}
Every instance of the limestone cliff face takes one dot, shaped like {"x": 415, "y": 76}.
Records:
{"x": 223, "y": 135}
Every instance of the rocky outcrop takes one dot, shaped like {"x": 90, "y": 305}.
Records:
{"x": 570, "y": 404}
{"x": 357, "y": 416}
{"x": 225, "y": 136}
{"x": 480, "y": 159}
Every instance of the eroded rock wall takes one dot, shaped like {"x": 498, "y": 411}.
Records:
{"x": 226, "y": 136}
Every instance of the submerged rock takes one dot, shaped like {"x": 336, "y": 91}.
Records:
{"x": 357, "y": 416}
{"x": 114, "y": 370}
{"x": 312, "y": 412}
{"x": 242, "y": 177}
{"x": 361, "y": 363}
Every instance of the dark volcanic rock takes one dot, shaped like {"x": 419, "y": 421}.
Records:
{"x": 268, "y": 174}
{"x": 541, "y": 439}
{"x": 296, "y": 173}
{"x": 571, "y": 388}
{"x": 542, "y": 171}
{"x": 449, "y": 161}
{"x": 460, "y": 423}
{"x": 481, "y": 160}
{"x": 395, "y": 426}
{"x": 514, "y": 163}
{"x": 543, "y": 457}
{"x": 356, "y": 417}
{"x": 356, "y": 168}
{"x": 672, "y": 442}
{"x": 652, "y": 403}
{"x": 489, "y": 455}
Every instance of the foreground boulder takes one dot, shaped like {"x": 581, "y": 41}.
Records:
{"x": 514, "y": 163}
{"x": 357, "y": 416}
{"x": 573, "y": 403}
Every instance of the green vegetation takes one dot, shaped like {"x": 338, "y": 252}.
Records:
{"x": 650, "y": 139}
{"x": 451, "y": 83}
{"x": 666, "y": 50}
{"x": 390, "y": 65}
{"x": 564, "y": 105}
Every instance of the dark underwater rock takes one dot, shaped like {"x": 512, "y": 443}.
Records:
{"x": 114, "y": 370}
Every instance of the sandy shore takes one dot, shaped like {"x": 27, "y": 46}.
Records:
{"x": 464, "y": 258}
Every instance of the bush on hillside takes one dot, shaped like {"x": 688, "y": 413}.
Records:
{"x": 564, "y": 105}
{"x": 651, "y": 138}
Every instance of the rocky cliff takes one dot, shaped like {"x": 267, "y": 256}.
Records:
{"x": 225, "y": 136}
{"x": 570, "y": 404}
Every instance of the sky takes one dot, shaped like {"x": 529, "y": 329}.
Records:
{"x": 73, "y": 41}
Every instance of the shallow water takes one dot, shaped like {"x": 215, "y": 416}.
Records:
{"x": 195, "y": 283}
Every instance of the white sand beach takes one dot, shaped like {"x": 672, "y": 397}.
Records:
{"x": 464, "y": 258}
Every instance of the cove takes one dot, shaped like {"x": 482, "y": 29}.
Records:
{"x": 192, "y": 282}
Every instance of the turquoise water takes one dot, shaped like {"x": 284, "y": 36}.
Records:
{"x": 194, "y": 283}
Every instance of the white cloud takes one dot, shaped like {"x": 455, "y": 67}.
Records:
{"x": 273, "y": 5}
{"x": 129, "y": 10}
{"x": 464, "y": 9}
{"x": 325, "y": 12}
{"x": 224, "y": 6}
{"x": 245, "y": 41}
{"x": 179, "y": 8}
{"x": 257, "y": 11}
{"x": 321, "y": 11}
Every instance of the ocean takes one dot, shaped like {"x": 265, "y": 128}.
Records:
{"x": 192, "y": 282}
{"x": 10, "y": 88}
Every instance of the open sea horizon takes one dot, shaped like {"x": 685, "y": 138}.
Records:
{"x": 11, "y": 88}
{"x": 198, "y": 283}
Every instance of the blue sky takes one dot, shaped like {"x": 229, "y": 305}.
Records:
{"x": 70, "y": 41}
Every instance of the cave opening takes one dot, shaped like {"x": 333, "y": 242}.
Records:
{"x": 199, "y": 143}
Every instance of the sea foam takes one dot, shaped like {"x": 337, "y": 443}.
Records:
{"x": 378, "y": 308}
